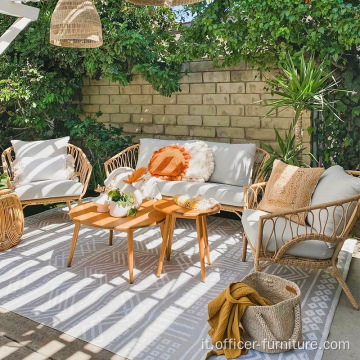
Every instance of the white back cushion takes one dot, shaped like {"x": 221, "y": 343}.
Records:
{"x": 30, "y": 169}
{"x": 40, "y": 149}
{"x": 335, "y": 184}
{"x": 233, "y": 162}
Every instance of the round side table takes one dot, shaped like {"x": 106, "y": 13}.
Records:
{"x": 174, "y": 211}
{"x": 87, "y": 215}
{"x": 11, "y": 219}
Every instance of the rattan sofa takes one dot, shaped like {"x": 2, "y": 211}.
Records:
{"x": 129, "y": 158}
{"x": 43, "y": 192}
{"x": 276, "y": 239}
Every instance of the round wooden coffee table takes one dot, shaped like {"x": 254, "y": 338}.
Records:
{"x": 174, "y": 211}
{"x": 86, "y": 214}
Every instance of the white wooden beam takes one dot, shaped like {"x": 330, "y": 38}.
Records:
{"x": 17, "y": 9}
{"x": 13, "y": 31}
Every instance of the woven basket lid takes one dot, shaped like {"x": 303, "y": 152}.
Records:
{"x": 163, "y": 2}
{"x": 76, "y": 24}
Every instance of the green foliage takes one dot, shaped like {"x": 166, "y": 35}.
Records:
{"x": 263, "y": 32}
{"x": 41, "y": 84}
{"x": 303, "y": 87}
{"x": 339, "y": 141}
{"x": 291, "y": 152}
{"x": 124, "y": 199}
{"x": 3, "y": 181}
{"x": 101, "y": 143}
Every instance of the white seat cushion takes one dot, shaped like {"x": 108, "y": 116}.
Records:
{"x": 49, "y": 189}
{"x": 223, "y": 193}
{"x": 315, "y": 249}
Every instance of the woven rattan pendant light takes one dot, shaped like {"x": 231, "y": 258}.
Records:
{"x": 76, "y": 24}
{"x": 168, "y": 3}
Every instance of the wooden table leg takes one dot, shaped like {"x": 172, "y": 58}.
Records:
{"x": 171, "y": 235}
{"x": 73, "y": 243}
{"x": 111, "y": 235}
{"x": 200, "y": 234}
{"x": 130, "y": 244}
{"x": 165, "y": 235}
{"x": 244, "y": 249}
{"x": 206, "y": 240}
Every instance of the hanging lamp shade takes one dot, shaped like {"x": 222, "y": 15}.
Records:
{"x": 168, "y": 3}
{"x": 76, "y": 24}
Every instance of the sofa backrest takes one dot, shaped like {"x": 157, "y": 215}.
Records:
{"x": 233, "y": 162}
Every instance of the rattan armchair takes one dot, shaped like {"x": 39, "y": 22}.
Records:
{"x": 349, "y": 209}
{"x": 83, "y": 170}
{"x": 129, "y": 158}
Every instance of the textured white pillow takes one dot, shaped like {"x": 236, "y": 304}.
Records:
{"x": 201, "y": 163}
{"x": 40, "y": 149}
{"x": 29, "y": 169}
{"x": 335, "y": 184}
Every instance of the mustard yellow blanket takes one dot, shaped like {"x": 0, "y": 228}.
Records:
{"x": 225, "y": 313}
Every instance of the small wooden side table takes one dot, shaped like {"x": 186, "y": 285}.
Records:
{"x": 174, "y": 211}
{"x": 86, "y": 214}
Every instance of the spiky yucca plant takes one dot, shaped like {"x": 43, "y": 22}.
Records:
{"x": 301, "y": 88}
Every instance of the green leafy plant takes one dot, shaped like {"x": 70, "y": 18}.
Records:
{"x": 290, "y": 151}
{"x": 101, "y": 142}
{"x": 124, "y": 199}
{"x": 305, "y": 87}
{"x": 3, "y": 180}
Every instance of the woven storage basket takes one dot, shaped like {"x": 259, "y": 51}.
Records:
{"x": 276, "y": 328}
{"x": 11, "y": 219}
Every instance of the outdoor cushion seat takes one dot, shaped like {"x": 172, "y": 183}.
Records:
{"x": 223, "y": 193}
{"x": 49, "y": 189}
{"x": 315, "y": 249}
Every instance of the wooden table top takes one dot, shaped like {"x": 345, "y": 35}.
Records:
{"x": 168, "y": 206}
{"x": 87, "y": 215}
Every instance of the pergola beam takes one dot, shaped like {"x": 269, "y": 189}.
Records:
{"x": 19, "y": 10}
{"x": 13, "y": 31}
{"x": 25, "y": 14}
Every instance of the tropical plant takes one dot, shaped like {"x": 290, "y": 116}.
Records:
{"x": 290, "y": 151}
{"x": 101, "y": 142}
{"x": 124, "y": 199}
{"x": 301, "y": 88}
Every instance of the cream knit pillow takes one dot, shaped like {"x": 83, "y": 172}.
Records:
{"x": 201, "y": 163}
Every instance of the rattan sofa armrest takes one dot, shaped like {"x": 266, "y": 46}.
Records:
{"x": 6, "y": 159}
{"x": 253, "y": 194}
{"x": 126, "y": 158}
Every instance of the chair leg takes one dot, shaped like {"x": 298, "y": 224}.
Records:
{"x": 336, "y": 273}
{"x": 68, "y": 203}
{"x": 244, "y": 250}
{"x": 171, "y": 235}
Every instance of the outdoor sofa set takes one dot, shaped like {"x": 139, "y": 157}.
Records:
{"x": 311, "y": 236}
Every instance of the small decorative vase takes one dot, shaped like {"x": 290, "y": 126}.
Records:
{"x": 102, "y": 203}
{"x": 120, "y": 211}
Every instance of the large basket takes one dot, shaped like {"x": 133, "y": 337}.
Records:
{"x": 276, "y": 328}
{"x": 11, "y": 220}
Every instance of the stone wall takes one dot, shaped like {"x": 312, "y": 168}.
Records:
{"x": 215, "y": 105}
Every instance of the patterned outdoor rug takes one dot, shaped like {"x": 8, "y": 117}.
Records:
{"x": 153, "y": 319}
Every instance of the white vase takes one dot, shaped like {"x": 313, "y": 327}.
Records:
{"x": 102, "y": 203}
{"x": 120, "y": 211}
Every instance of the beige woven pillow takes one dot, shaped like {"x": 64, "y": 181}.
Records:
{"x": 290, "y": 188}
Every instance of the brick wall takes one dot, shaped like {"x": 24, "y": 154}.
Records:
{"x": 215, "y": 105}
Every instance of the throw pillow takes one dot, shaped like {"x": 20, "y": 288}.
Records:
{"x": 40, "y": 149}
{"x": 169, "y": 163}
{"x": 70, "y": 168}
{"x": 290, "y": 188}
{"x": 29, "y": 169}
{"x": 201, "y": 163}
{"x": 335, "y": 184}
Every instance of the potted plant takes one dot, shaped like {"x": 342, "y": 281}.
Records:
{"x": 127, "y": 200}
{"x": 302, "y": 88}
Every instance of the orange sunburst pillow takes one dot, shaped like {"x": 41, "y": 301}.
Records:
{"x": 169, "y": 163}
